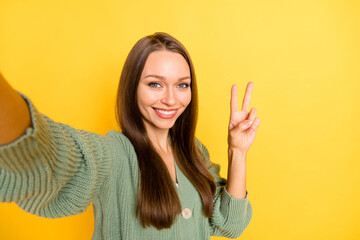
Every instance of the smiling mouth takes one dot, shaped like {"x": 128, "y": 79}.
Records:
{"x": 165, "y": 113}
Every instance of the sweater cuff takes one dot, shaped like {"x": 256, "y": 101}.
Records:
{"x": 232, "y": 206}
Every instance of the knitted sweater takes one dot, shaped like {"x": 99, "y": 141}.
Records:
{"x": 55, "y": 170}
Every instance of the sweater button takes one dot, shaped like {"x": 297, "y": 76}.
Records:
{"x": 186, "y": 213}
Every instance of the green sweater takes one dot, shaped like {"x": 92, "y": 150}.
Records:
{"x": 54, "y": 171}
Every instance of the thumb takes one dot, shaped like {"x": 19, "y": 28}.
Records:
{"x": 245, "y": 124}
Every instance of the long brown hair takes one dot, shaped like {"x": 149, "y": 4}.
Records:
{"x": 158, "y": 203}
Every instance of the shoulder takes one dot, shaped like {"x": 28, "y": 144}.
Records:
{"x": 202, "y": 148}
{"x": 203, "y": 151}
{"x": 122, "y": 141}
{"x": 118, "y": 136}
{"x": 125, "y": 156}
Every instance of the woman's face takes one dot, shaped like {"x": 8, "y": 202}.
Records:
{"x": 164, "y": 89}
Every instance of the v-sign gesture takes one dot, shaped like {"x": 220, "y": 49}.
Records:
{"x": 243, "y": 124}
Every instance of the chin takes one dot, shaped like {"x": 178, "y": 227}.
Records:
{"x": 165, "y": 126}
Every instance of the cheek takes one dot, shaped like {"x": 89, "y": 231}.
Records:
{"x": 146, "y": 97}
{"x": 185, "y": 99}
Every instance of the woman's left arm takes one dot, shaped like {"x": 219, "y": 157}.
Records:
{"x": 232, "y": 209}
{"x": 243, "y": 126}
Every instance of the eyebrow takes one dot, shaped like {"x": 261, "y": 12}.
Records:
{"x": 162, "y": 78}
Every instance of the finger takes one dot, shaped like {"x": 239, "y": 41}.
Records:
{"x": 254, "y": 127}
{"x": 245, "y": 124}
{"x": 247, "y": 97}
{"x": 252, "y": 114}
{"x": 233, "y": 100}
{"x": 250, "y": 120}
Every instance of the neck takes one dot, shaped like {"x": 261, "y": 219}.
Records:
{"x": 159, "y": 138}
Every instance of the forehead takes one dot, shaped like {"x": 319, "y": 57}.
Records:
{"x": 167, "y": 64}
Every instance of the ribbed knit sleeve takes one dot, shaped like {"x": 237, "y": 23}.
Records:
{"x": 231, "y": 215}
{"x": 53, "y": 170}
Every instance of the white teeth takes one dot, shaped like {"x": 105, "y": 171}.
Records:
{"x": 165, "y": 112}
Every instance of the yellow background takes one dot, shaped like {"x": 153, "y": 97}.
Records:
{"x": 303, "y": 171}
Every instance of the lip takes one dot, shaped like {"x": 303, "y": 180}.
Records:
{"x": 166, "y": 116}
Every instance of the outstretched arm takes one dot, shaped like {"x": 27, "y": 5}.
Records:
{"x": 242, "y": 131}
{"x": 52, "y": 169}
{"x": 14, "y": 113}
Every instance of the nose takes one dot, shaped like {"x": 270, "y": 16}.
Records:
{"x": 168, "y": 97}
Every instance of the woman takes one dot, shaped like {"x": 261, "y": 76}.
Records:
{"x": 152, "y": 181}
